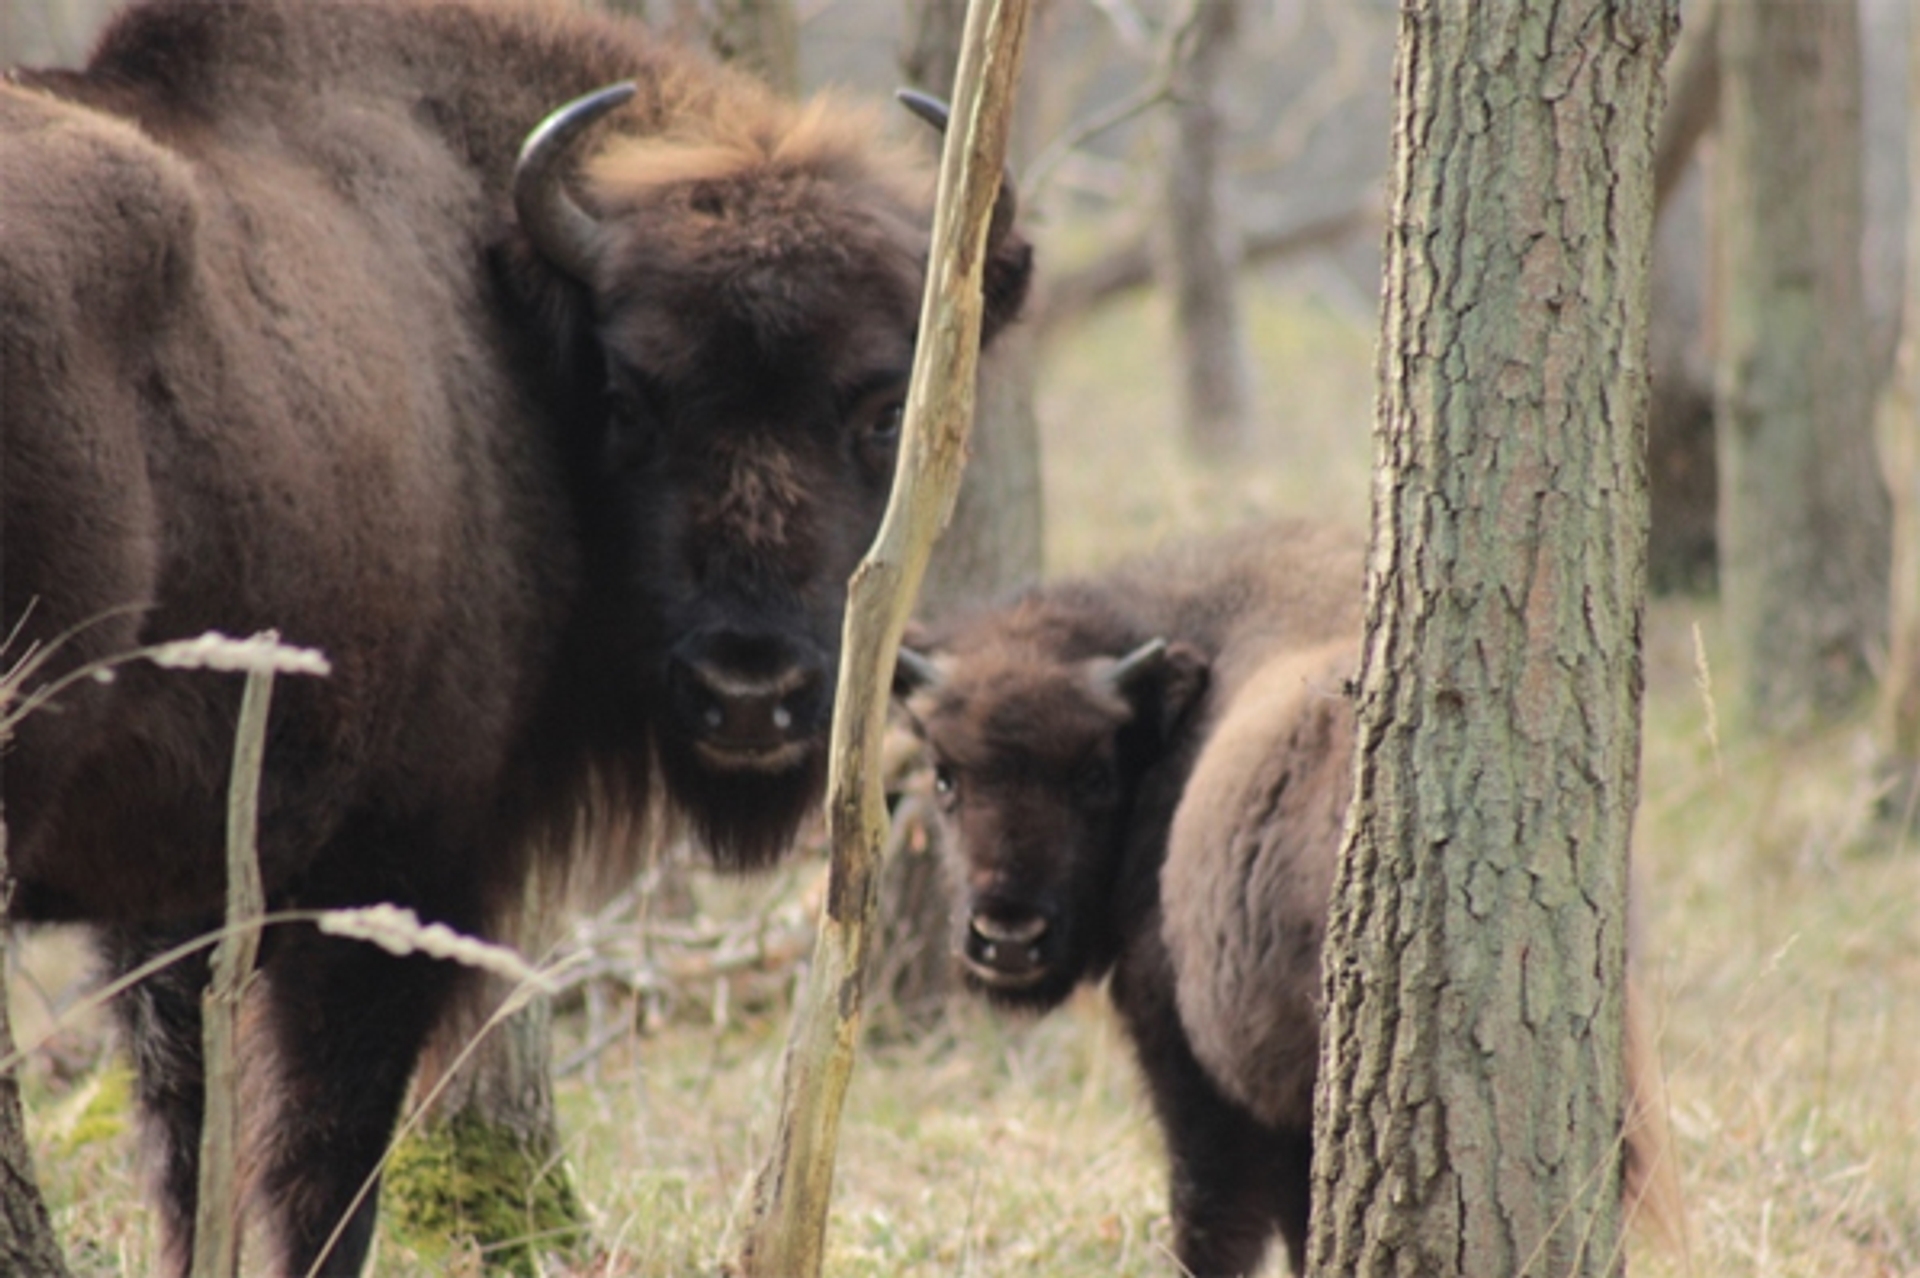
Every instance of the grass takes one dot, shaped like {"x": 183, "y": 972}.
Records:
{"x": 1780, "y": 930}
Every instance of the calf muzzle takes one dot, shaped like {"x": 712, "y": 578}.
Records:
{"x": 1006, "y": 951}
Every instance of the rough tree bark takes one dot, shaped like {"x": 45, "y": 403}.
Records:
{"x": 27, "y": 1244}
{"x": 1803, "y": 511}
{"x": 1202, "y": 240}
{"x": 1472, "y": 1083}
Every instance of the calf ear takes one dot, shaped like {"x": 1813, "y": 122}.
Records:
{"x": 913, "y": 671}
{"x": 1187, "y": 673}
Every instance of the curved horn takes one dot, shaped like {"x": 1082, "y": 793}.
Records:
{"x": 1140, "y": 661}
{"x": 913, "y": 671}
{"x": 938, "y": 113}
{"x": 559, "y": 229}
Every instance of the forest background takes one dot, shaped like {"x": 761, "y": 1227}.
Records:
{"x": 1779, "y": 888}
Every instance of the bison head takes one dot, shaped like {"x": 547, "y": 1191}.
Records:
{"x": 742, "y": 304}
{"x": 1038, "y": 758}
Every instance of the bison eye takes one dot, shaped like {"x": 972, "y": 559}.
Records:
{"x": 944, "y": 785}
{"x": 873, "y": 423}
{"x": 884, "y": 430}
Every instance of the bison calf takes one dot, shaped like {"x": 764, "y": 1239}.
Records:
{"x": 1145, "y": 775}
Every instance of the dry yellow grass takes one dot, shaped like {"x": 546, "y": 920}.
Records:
{"x": 1781, "y": 932}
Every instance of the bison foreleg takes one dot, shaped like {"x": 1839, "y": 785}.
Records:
{"x": 1232, "y": 1180}
{"x": 347, "y": 1021}
{"x": 160, "y": 1018}
{"x": 1226, "y": 1202}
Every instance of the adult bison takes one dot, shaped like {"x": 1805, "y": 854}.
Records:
{"x": 566, "y": 484}
{"x": 1145, "y": 774}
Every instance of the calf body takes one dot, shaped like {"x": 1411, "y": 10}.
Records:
{"x": 1143, "y": 777}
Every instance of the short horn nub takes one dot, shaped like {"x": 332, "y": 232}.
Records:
{"x": 561, "y": 232}
{"x": 1142, "y": 660}
{"x": 913, "y": 672}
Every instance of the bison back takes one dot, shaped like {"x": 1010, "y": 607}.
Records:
{"x": 234, "y": 396}
{"x": 1248, "y": 872}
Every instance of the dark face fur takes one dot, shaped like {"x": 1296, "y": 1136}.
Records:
{"x": 1035, "y": 762}
{"x": 755, "y": 310}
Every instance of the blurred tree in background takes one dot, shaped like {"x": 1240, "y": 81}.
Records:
{"x": 1804, "y": 534}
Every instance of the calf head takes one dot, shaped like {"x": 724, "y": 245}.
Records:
{"x": 745, "y": 299}
{"x": 1037, "y": 758}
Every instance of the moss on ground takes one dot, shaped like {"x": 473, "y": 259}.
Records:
{"x": 462, "y": 1185}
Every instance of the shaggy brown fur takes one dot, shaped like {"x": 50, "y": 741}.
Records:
{"x": 274, "y": 352}
{"x": 1169, "y": 816}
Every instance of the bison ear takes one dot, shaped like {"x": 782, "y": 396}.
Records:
{"x": 1009, "y": 265}
{"x": 1008, "y": 271}
{"x": 558, "y": 311}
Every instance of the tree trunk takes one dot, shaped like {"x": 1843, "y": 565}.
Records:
{"x": 1900, "y": 412}
{"x": 1472, "y": 1084}
{"x": 991, "y": 546}
{"x": 1203, "y": 244}
{"x": 485, "y": 1166}
{"x": 27, "y": 1245}
{"x": 1683, "y": 475}
{"x": 1804, "y": 523}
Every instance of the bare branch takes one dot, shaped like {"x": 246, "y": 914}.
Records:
{"x": 1072, "y": 295}
{"x": 785, "y": 1236}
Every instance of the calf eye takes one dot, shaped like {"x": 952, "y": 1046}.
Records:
{"x": 944, "y": 785}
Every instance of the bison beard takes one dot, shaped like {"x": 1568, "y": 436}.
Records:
{"x": 1144, "y": 775}
{"x": 565, "y": 475}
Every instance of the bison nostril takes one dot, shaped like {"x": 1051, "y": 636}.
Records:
{"x": 1016, "y": 932}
